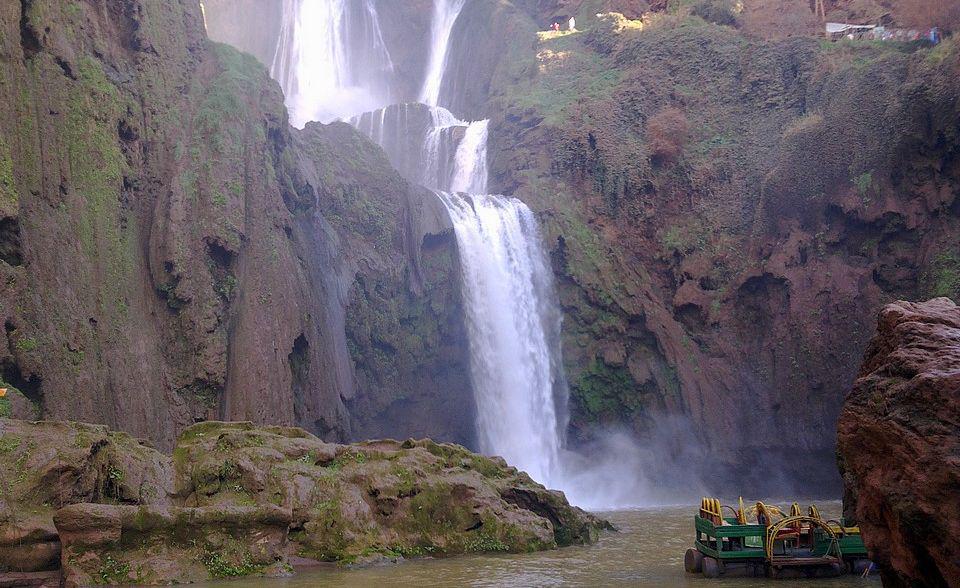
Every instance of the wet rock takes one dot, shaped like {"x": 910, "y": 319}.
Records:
{"x": 899, "y": 441}
{"x": 237, "y": 499}
{"x": 46, "y": 465}
{"x": 120, "y": 544}
{"x": 413, "y": 498}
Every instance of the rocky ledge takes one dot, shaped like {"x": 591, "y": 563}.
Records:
{"x": 236, "y": 499}
{"x": 899, "y": 445}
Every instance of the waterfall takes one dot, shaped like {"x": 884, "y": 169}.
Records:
{"x": 513, "y": 325}
{"x": 445, "y": 13}
{"x": 512, "y": 314}
{"x": 331, "y": 60}
{"x": 470, "y": 166}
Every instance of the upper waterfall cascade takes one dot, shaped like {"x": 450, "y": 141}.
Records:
{"x": 331, "y": 60}
{"x": 512, "y": 314}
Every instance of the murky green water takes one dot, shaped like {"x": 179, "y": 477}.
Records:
{"x": 648, "y": 551}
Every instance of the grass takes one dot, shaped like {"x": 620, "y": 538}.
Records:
{"x": 27, "y": 344}
{"x": 112, "y": 571}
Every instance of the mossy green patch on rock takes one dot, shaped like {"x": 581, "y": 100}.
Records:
{"x": 376, "y": 496}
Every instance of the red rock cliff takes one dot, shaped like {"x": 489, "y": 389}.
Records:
{"x": 899, "y": 441}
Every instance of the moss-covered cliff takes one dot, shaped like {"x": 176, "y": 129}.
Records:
{"x": 725, "y": 217}
{"x": 173, "y": 251}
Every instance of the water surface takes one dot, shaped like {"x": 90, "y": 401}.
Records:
{"x": 648, "y": 551}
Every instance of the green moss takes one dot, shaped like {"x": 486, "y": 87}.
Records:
{"x": 8, "y": 188}
{"x": 27, "y": 344}
{"x": 602, "y": 391}
{"x": 942, "y": 278}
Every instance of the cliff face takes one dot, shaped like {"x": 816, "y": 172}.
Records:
{"x": 899, "y": 441}
{"x": 172, "y": 250}
{"x": 725, "y": 216}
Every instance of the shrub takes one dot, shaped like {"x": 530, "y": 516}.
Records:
{"x": 720, "y": 12}
{"x": 667, "y": 134}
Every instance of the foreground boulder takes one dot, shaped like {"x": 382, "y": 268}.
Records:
{"x": 236, "y": 499}
{"x": 120, "y": 544}
{"x": 899, "y": 444}
{"x": 378, "y": 498}
{"x": 47, "y": 465}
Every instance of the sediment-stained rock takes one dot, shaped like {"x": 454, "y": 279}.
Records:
{"x": 899, "y": 445}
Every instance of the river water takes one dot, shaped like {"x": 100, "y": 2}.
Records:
{"x": 647, "y": 551}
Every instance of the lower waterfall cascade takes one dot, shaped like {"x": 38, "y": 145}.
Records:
{"x": 512, "y": 312}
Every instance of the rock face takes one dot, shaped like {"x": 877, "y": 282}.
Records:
{"x": 720, "y": 252}
{"x": 236, "y": 499}
{"x": 171, "y": 250}
{"x": 899, "y": 442}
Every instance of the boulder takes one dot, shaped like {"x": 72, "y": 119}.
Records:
{"x": 394, "y": 498}
{"x": 46, "y": 465}
{"x": 899, "y": 445}
{"x": 124, "y": 544}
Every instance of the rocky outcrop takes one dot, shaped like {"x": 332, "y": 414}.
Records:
{"x": 236, "y": 499}
{"x": 899, "y": 442}
{"x": 383, "y": 498}
{"x": 45, "y": 466}
{"x": 171, "y": 250}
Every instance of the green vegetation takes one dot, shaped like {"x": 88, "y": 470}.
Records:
{"x": 27, "y": 344}
{"x": 602, "y": 392}
{"x": 112, "y": 571}
{"x": 9, "y": 198}
{"x": 9, "y": 443}
{"x": 568, "y": 73}
{"x": 864, "y": 183}
{"x": 220, "y": 566}
{"x": 485, "y": 543}
{"x": 943, "y": 277}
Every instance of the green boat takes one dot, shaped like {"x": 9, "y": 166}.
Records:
{"x": 776, "y": 545}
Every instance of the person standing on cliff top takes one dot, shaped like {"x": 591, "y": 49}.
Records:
{"x": 572, "y": 24}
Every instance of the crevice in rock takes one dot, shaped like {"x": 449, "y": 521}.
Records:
{"x": 67, "y": 70}
{"x": 299, "y": 361}
{"x": 220, "y": 255}
{"x": 31, "y": 386}
{"x": 29, "y": 41}
{"x": 11, "y": 251}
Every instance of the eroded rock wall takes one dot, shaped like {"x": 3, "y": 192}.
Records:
{"x": 173, "y": 251}
{"x": 899, "y": 442}
{"x": 725, "y": 216}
